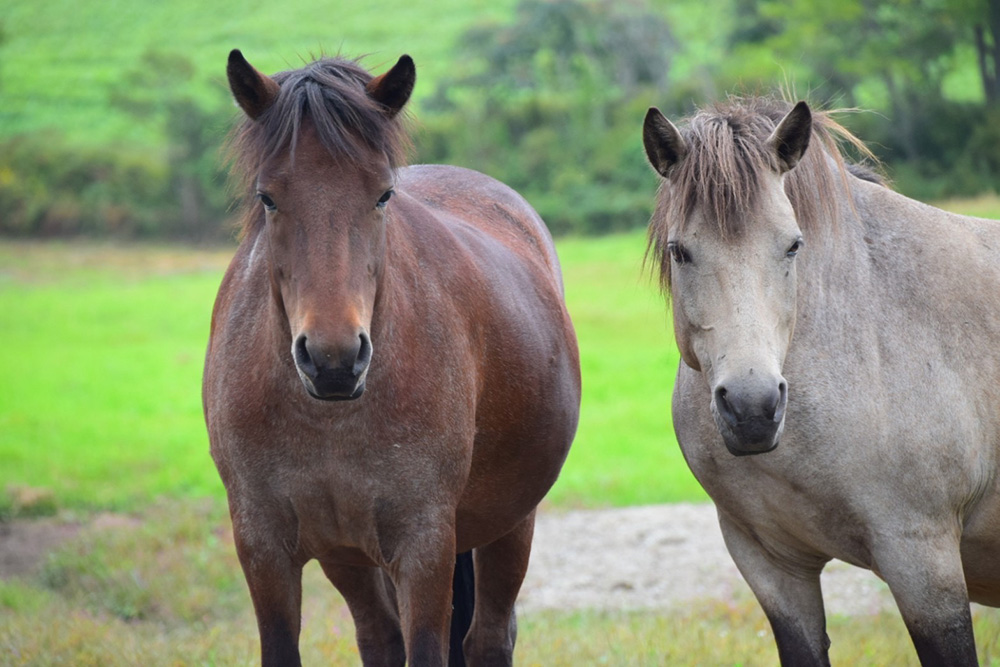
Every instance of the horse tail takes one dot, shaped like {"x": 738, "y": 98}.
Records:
{"x": 463, "y": 603}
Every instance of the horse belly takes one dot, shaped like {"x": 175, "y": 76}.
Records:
{"x": 527, "y": 404}
{"x": 521, "y": 443}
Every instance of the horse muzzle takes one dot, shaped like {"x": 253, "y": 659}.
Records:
{"x": 333, "y": 372}
{"x": 750, "y": 415}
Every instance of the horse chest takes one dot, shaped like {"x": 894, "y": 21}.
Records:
{"x": 330, "y": 501}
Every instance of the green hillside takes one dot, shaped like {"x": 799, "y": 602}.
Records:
{"x": 61, "y": 60}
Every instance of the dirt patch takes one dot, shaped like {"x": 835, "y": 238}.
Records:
{"x": 658, "y": 557}
{"x": 25, "y": 544}
{"x": 633, "y": 558}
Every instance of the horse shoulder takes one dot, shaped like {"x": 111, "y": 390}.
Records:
{"x": 238, "y": 357}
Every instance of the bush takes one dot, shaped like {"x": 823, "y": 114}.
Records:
{"x": 552, "y": 105}
{"x": 50, "y": 189}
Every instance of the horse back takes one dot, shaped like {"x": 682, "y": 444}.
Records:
{"x": 472, "y": 205}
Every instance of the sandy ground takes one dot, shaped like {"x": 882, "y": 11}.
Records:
{"x": 658, "y": 557}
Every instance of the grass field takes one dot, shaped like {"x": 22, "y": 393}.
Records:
{"x": 102, "y": 355}
{"x": 104, "y": 347}
{"x": 62, "y": 61}
{"x": 99, "y": 409}
{"x": 103, "y": 350}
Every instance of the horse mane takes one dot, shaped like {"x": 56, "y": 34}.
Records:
{"x": 329, "y": 92}
{"x": 866, "y": 173}
{"x": 726, "y": 154}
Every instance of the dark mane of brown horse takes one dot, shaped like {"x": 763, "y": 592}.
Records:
{"x": 726, "y": 154}
{"x": 330, "y": 93}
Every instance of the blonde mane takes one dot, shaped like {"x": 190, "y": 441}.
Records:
{"x": 727, "y": 152}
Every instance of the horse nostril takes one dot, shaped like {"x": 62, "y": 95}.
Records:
{"x": 772, "y": 403}
{"x": 745, "y": 405}
{"x": 303, "y": 359}
{"x": 723, "y": 406}
{"x": 779, "y": 409}
{"x": 364, "y": 354}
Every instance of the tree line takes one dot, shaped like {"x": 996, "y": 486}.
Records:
{"x": 551, "y": 101}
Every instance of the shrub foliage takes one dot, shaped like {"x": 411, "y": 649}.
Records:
{"x": 551, "y": 101}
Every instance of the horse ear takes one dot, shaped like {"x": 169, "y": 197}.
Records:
{"x": 665, "y": 148}
{"x": 790, "y": 139}
{"x": 254, "y": 92}
{"x": 392, "y": 89}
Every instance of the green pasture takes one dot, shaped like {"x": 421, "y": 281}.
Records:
{"x": 101, "y": 344}
{"x": 103, "y": 348}
{"x": 64, "y": 60}
{"x": 102, "y": 355}
{"x": 100, "y": 410}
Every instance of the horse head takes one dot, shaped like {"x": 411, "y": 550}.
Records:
{"x": 318, "y": 151}
{"x": 727, "y": 239}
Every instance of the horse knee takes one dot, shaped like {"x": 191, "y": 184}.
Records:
{"x": 381, "y": 651}
{"x": 928, "y": 584}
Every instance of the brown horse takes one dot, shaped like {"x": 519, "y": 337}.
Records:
{"x": 392, "y": 376}
{"x": 840, "y": 391}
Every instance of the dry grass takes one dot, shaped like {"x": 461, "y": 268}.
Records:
{"x": 164, "y": 588}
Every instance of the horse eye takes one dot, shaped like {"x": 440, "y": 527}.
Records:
{"x": 795, "y": 247}
{"x": 384, "y": 198}
{"x": 266, "y": 201}
{"x": 678, "y": 253}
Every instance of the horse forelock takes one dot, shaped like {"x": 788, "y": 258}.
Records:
{"x": 720, "y": 175}
{"x": 330, "y": 94}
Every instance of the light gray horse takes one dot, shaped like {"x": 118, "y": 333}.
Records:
{"x": 850, "y": 338}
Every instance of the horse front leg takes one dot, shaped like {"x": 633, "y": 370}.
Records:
{"x": 923, "y": 568}
{"x": 373, "y": 608}
{"x": 275, "y": 583}
{"x": 423, "y": 588}
{"x": 500, "y": 567}
{"x": 789, "y": 593}
{"x": 422, "y": 569}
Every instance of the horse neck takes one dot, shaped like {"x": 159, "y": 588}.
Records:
{"x": 867, "y": 263}
{"x": 834, "y": 269}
